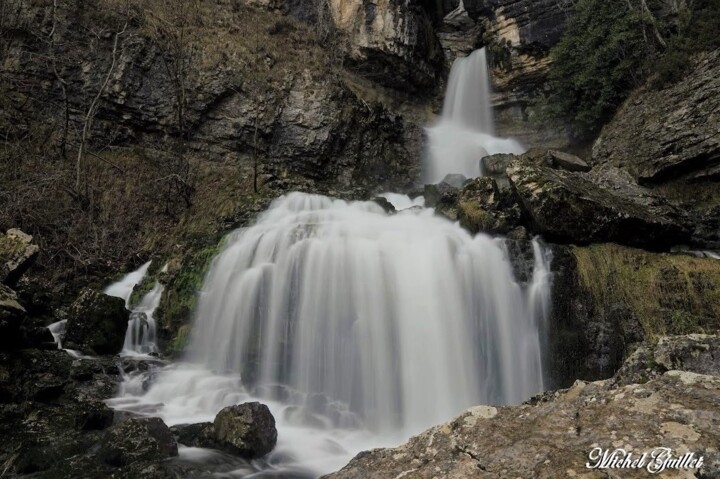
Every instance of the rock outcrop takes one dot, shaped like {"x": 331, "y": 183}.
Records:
{"x": 391, "y": 42}
{"x": 568, "y": 206}
{"x": 96, "y": 324}
{"x": 669, "y": 133}
{"x": 667, "y": 139}
{"x": 11, "y": 317}
{"x": 553, "y": 434}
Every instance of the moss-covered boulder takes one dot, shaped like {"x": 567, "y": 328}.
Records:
{"x": 96, "y": 323}
{"x": 247, "y": 430}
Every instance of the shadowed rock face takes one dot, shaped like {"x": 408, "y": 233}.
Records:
{"x": 97, "y": 323}
{"x": 551, "y": 435}
{"x": 659, "y": 135}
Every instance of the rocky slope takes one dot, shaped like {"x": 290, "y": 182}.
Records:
{"x": 667, "y": 139}
{"x": 665, "y": 396}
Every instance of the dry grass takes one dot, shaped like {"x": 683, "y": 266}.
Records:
{"x": 669, "y": 294}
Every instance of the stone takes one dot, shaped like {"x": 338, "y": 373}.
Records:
{"x": 553, "y": 433}
{"x": 96, "y": 323}
{"x": 484, "y": 207}
{"x": 17, "y": 254}
{"x": 11, "y": 318}
{"x": 384, "y": 204}
{"x": 566, "y": 161}
{"x": 567, "y": 206}
{"x": 454, "y": 179}
{"x": 196, "y": 435}
{"x": 135, "y": 440}
{"x": 663, "y": 134}
{"x": 247, "y": 430}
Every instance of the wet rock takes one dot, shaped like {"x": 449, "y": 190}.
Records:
{"x": 11, "y": 317}
{"x": 135, "y": 440}
{"x": 568, "y": 206}
{"x": 17, "y": 254}
{"x": 496, "y": 165}
{"x": 247, "y": 430}
{"x": 551, "y": 435}
{"x": 196, "y": 435}
{"x": 96, "y": 323}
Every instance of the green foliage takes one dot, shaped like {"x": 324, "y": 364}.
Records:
{"x": 613, "y": 46}
{"x": 598, "y": 61}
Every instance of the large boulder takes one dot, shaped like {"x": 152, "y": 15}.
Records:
{"x": 196, "y": 435}
{"x": 17, "y": 254}
{"x": 143, "y": 439}
{"x": 11, "y": 317}
{"x": 247, "y": 430}
{"x": 552, "y": 435}
{"x": 570, "y": 206}
{"x": 485, "y": 207}
{"x": 96, "y": 323}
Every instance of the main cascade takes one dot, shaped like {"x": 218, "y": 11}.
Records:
{"x": 465, "y": 131}
{"x": 359, "y": 328}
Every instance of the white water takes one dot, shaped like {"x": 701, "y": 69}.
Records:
{"x": 141, "y": 334}
{"x": 356, "y": 327}
{"x": 465, "y": 132}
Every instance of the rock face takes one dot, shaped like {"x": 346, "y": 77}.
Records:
{"x": 247, "y": 430}
{"x": 568, "y": 206}
{"x": 390, "y": 41}
{"x": 17, "y": 254}
{"x": 662, "y": 134}
{"x": 97, "y": 323}
{"x": 144, "y": 439}
{"x": 667, "y": 139}
{"x": 606, "y": 298}
{"x": 552, "y": 435}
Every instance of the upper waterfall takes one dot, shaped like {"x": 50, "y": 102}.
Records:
{"x": 465, "y": 132}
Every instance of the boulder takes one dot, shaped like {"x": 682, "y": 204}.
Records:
{"x": 566, "y": 161}
{"x": 143, "y": 439}
{"x": 17, "y": 254}
{"x": 11, "y": 317}
{"x": 384, "y": 204}
{"x": 569, "y": 206}
{"x": 247, "y": 430}
{"x": 551, "y": 435}
{"x": 96, "y": 323}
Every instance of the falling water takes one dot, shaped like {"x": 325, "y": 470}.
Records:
{"x": 465, "y": 131}
{"x": 358, "y": 328}
{"x": 141, "y": 334}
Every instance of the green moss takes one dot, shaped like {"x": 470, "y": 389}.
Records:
{"x": 668, "y": 294}
{"x": 180, "y": 340}
{"x": 474, "y": 218}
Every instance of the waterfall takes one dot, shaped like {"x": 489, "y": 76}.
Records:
{"x": 465, "y": 132}
{"x": 354, "y": 323}
{"x": 141, "y": 334}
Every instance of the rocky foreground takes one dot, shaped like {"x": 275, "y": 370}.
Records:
{"x": 666, "y": 395}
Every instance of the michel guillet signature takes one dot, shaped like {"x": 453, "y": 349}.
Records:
{"x": 655, "y": 461}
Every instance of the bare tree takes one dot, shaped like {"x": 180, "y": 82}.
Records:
{"x": 92, "y": 109}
